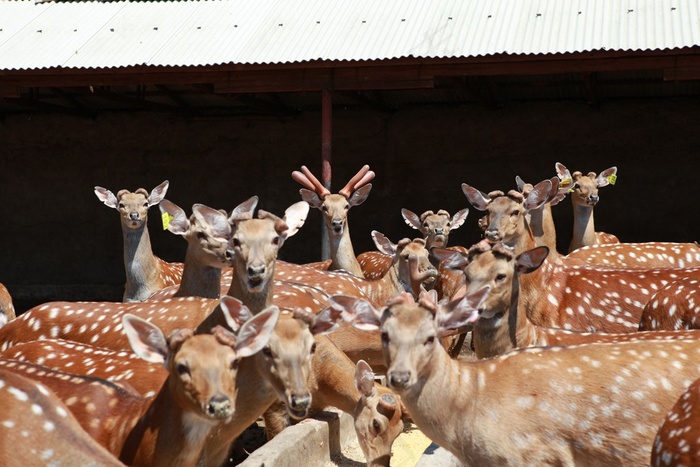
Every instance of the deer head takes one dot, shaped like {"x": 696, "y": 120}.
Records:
{"x": 132, "y": 207}
{"x": 435, "y": 227}
{"x": 334, "y": 207}
{"x": 584, "y": 188}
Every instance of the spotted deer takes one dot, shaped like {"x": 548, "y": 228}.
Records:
{"x": 584, "y": 197}
{"x": 335, "y": 209}
{"x": 585, "y": 298}
{"x": 145, "y": 272}
{"x": 500, "y": 321}
{"x": 577, "y": 405}
{"x": 7, "y": 309}
{"x": 435, "y": 227}
{"x": 678, "y": 442}
{"x": 37, "y": 428}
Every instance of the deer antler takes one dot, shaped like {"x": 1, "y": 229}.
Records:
{"x": 361, "y": 178}
{"x": 306, "y": 178}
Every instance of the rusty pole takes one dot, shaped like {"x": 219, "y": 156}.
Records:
{"x": 326, "y": 151}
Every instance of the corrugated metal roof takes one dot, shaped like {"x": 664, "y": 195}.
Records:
{"x": 191, "y": 33}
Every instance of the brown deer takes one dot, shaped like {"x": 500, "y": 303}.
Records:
{"x": 501, "y": 323}
{"x": 145, "y": 272}
{"x": 7, "y": 309}
{"x": 538, "y": 406}
{"x": 584, "y": 197}
{"x": 38, "y": 429}
{"x": 569, "y": 296}
{"x": 207, "y": 233}
{"x": 335, "y": 209}
{"x": 678, "y": 442}
{"x": 172, "y": 427}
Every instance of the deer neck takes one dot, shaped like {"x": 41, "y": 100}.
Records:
{"x": 254, "y": 397}
{"x": 333, "y": 373}
{"x": 510, "y": 329}
{"x": 543, "y": 230}
{"x": 425, "y": 400}
{"x": 343, "y": 254}
{"x": 584, "y": 228}
{"x": 141, "y": 265}
{"x": 255, "y": 301}
{"x": 198, "y": 278}
{"x": 169, "y": 436}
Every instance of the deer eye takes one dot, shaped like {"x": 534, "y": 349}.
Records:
{"x": 182, "y": 369}
{"x": 234, "y": 365}
{"x": 145, "y": 205}
{"x": 276, "y": 241}
{"x": 385, "y": 337}
{"x": 376, "y": 425}
{"x": 576, "y": 186}
{"x": 201, "y": 236}
{"x": 236, "y": 243}
{"x": 121, "y": 205}
{"x": 267, "y": 351}
{"x": 514, "y": 213}
{"x": 500, "y": 277}
{"x": 313, "y": 348}
{"x": 429, "y": 340}
{"x": 347, "y": 206}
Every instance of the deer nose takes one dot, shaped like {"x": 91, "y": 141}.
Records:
{"x": 300, "y": 402}
{"x": 219, "y": 406}
{"x": 491, "y": 235}
{"x": 593, "y": 199}
{"x": 399, "y": 379}
{"x": 257, "y": 270}
{"x": 439, "y": 230}
{"x": 134, "y": 216}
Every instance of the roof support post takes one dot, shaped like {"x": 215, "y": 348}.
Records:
{"x": 326, "y": 152}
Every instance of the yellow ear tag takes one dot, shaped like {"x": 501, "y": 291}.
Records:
{"x": 566, "y": 182}
{"x": 166, "y": 220}
{"x": 612, "y": 178}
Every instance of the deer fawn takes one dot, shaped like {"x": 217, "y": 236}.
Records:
{"x": 36, "y": 428}
{"x": 537, "y": 406}
{"x": 145, "y": 272}
{"x": 335, "y": 209}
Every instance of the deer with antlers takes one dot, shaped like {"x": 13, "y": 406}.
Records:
{"x": 335, "y": 209}
{"x": 145, "y": 272}
{"x": 501, "y": 323}
{"x": 38, "y": 429}
{"x": 537, "y": 406}
{"x": 564, "y": 295}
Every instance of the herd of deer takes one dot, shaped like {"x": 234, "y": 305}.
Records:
{"x": 579, "y": 358}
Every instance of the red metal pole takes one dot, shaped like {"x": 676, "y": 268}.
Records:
{"x": 326, "y": 152}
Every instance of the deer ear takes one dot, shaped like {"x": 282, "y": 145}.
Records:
{"x": 606, "y": 177}
{"x": 215, "y": 220}
{"x": 458, "y": 219}
{"x": 477, "y": 198}
{"x": 360, "y": 195}
{"x": 412, "y": 220}
{"x": 538, "y": 195}
{"x": 364, "y": 379}
{"x": 294, "y": 217}
{"x": 244, "y": 210}
{"x": 256, "y": 332}
{"x": 357, "y": 311}
{"x": 235, "y": 312}
{"x": 562, "y": 172}
{"x": 158, "y": 193}
{"x": 326, "y": 321}
{"x": 383, "y": 244}
{"x": 461, "y": 312}
{"x": 174, "y": 218}
{"x": 311, "y": 197}
{"x": 107, "y": 197}
{"x": 146, "y": 339}
{"x": 530, "y": 260}
{"x": 451, "y": 259}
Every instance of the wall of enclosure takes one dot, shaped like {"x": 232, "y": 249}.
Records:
{"x": 57, "y": 241}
